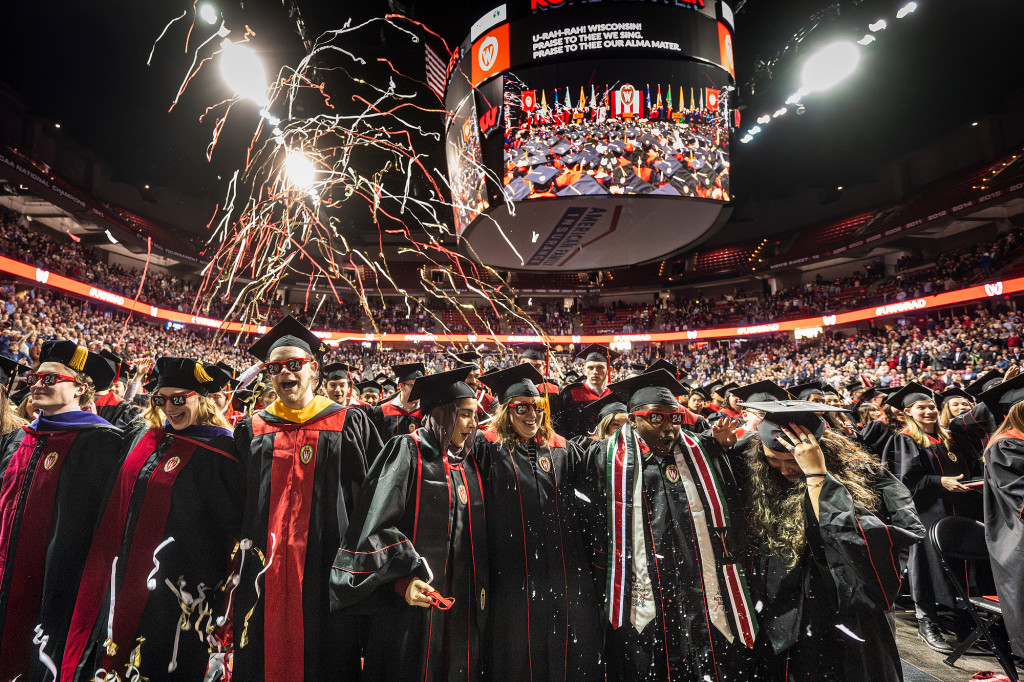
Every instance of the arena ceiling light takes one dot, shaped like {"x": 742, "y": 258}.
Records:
{"x": 300, "y": 170}
{"x": 243, "y": 72}
{"x": 830, "y": 66}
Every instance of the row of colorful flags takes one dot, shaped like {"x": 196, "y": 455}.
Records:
{"x": 626, "y": 99}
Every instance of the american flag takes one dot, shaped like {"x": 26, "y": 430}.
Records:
{"x": 436, "y": 72}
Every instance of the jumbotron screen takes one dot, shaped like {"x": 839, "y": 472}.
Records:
{"x": 574, "y": 124}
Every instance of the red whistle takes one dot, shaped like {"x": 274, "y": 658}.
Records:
{"x": 437, "y": 600}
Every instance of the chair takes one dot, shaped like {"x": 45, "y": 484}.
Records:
{"x": 957, "y": 538}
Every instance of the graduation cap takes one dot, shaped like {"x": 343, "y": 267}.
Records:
{"x": 782, "y": 413}
{"x": 667, "y": 190}
{"x": 984, "y": 382}
{"x": 381, "y": 377}
{"x": 760, "y": 391}
{"x": 534, "y": 351}
{"x": 662, "y": 363}
{"x": 288, "y": 332}
{"x": 122, "y": 368}
{"x": 954, "y": 392}
{"x": 585, "y": 186}
{"x": 228, "y": 369}
{"x": 470, "y": 358}
{"x": 597, "y": 353}
{"x": 854, "y": 385}
{"x": 727, "y": 388}
{"x": 80, "y": 359}
{"x": 150, "y": 385}
{"x": 870, "y": 394}
{"x": 562, "y": 147}
{"x": 571, "y": 159}
{"x": 337, "y": 371}
{"x": 389, "y": 387}
{"x": 408, "y": 372}
{"x": 650, "y": 388}
{"x": 434, "y": 390}
{"x": 908, "y": 395}
{"x": 596, "y": 410}
{"x": 19, "y": 396}
{"x": 190, "y": 374}
{"x": 368, "y": 387}
{"x": 517, "y": 190}
{"x": 668, "y": 166}
{"x": 572, "y": 377}
{"x": 10, "y": 371}
{"x": 701, "y": 391}
{"x": 713, "y": 388}
{"x": 543, "y": 175}
{"x": 518, "y": 381}
{"x": 1001, "y": 397}
{"x": 829, "y": 388}
{"x": 805, "y": 391}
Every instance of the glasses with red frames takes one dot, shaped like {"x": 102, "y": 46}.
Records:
{"x": 176, "y": 399}
{"x": 48, "y": 378}
{"x": 292, "y": 364}
{"x": 523, "y": 409}
{"x": 658, "y": 418}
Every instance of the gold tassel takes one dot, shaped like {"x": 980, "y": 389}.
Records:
{"x": 200, "y": 373}
{"x": 78, "y": 359}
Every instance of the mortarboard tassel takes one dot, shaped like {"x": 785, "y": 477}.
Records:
{"x": 77, "y": 361}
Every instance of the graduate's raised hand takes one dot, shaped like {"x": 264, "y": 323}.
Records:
{"x": 415, "y": 593}
{"x": 724, "y": 431}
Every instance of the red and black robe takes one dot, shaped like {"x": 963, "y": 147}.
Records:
{"x": 421, "y": 516}
{"x": 392, "y": 420}
{"x": 546, "y": 621}
{"x": 184, "y": 488}
{"x": 55, "y": 480}
{"x": 570, "y": 421}
{"x": 302, "y": 480}
{"x": 1004, "y": 527}
{"x": 118, "y": 412}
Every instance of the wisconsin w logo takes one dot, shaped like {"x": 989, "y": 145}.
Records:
{"x": 994, "y": 289}
{"x": 489, "y": 120}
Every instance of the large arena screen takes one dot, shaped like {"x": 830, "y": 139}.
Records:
{"x": 585, "y": 121}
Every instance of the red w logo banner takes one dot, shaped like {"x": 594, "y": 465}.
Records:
{"x": 529, "y": 100}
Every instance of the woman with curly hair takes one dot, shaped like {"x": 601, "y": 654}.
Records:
{"x": 828, "y": 525}
{"x": 934, "y": 472}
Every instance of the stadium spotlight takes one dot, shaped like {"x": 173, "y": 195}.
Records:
{"x": 243, "y": 71}
{"x": 207, "y": 13}
{"x": 906, "y": 9}
{"x": 830, "y": 66}
{"x": 299, "y": 169}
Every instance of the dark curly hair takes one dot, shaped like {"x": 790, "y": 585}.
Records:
{"x": 776, "y": 504}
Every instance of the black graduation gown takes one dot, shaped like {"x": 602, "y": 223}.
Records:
{"x": 55, "y": 480}
{"x": 391, "y": 420}
{"x": 1004, "y": 528}
{"x": 570, "y": 419}
{"x": 848, "y": 575}
{"x": 421, "y": 516}
{"x": 185, "y": 485}
{"x": 875, "y": 436}
{"x": 301, "y": 484}
{"x": 971, "y": 430}
{"x": 920, "y": 469}
{"x": 546, "y": 620}
{"x": 117, "y": 411}
{"x": 679, "y": 643}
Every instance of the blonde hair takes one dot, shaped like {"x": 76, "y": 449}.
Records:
{"x": 603, "y": 428}
{"x": 502, "y": 424}
{"x": 1014, "y": 420}
{"x": 920, "y": 436}
{"x": 9, "y": 418}
{"x": 207, "y": 414}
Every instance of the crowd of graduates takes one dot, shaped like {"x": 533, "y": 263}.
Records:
{"x": 285, "y": 513}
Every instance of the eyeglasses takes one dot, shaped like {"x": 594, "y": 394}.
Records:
{"x": 525, "y": 408}
{"x": 293, "y": 365}
{"x": 657, "y": 418}
{"x": 176, "y": 399}
{"x": 48, "y": 378}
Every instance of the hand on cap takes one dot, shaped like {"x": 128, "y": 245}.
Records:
{"x": 801, "y": 442}
{"x": 1011, "y": 372}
